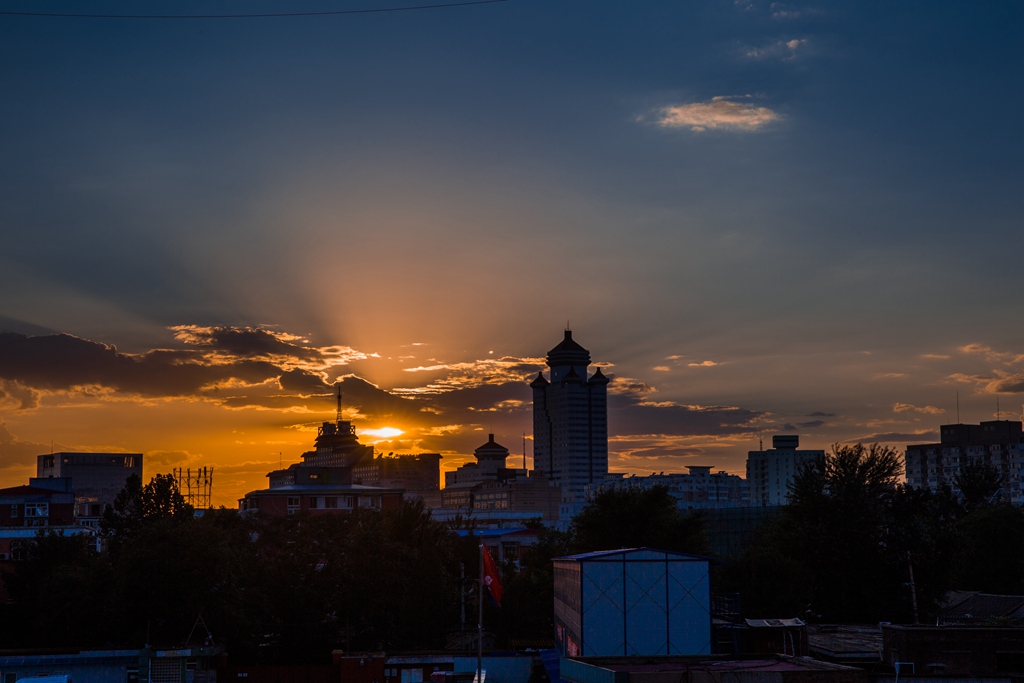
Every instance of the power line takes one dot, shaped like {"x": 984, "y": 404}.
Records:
{"x": 380, "y": 10}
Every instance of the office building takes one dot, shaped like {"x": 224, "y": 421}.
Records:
{"x": 570, "y": 422}
{"x": 770, "y": 472}
{"x": 96, "y": 478}
{"x": 998, "y": 444}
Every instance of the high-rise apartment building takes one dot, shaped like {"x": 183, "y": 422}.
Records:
{"x": 570, "y": 422}
{"x": 770, "y": 472}
{"x": 996, "y": 443}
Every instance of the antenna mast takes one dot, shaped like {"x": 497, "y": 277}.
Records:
{"x": 958, "y": 406}
{"x": 337, "y": 418}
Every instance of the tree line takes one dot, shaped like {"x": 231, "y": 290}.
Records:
{"x": 273, "y": 589}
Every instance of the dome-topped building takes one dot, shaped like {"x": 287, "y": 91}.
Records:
{"x": 570, "y": 421}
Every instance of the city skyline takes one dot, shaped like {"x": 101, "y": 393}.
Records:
{"x": 759, "y": 217}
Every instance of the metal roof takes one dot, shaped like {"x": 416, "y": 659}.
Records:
{"x": 624, "y": 553}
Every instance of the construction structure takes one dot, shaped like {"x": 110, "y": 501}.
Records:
{"x": 196, "y": 487}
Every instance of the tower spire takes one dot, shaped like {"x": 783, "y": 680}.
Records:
{"x": 337, "y": 418}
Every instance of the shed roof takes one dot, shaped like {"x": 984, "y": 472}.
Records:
{"x": 635, "y": 554}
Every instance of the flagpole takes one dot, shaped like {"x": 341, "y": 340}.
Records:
{"x": 480, "y": 619}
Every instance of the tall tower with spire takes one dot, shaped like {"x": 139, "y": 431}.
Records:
{"x": 570, "y": 421}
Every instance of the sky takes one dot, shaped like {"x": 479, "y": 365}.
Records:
{"x": 759, "y": 217}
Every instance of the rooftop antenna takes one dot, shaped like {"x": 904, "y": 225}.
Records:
{"x": 998, "y": 414}
{"x": 760, "y": 442}
{"x": 338, "y": 417}
{"x": 958, "y": 406}
{"x": 524, "y": 450}
{"x": 567, "y": 327}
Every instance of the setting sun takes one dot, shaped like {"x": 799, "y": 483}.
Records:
{"x": 382, "y": 433}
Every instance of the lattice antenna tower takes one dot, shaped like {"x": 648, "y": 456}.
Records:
{"x": 196, "y": 487}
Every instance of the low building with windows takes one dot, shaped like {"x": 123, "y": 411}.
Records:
{"x": 699, "y": 489}
{"x": 317, "y": 499}
{"x": 34, "y": 507}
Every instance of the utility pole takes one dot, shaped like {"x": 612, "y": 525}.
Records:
{"x": 480, "y": 620}
{"x": 913, "y": 588}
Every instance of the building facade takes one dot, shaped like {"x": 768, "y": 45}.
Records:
{"x": 997, "y": 443}
{"x": 487, "y": 485}
{"x": 770, "y": 472}
{"x": 96, "y": 478}
{"x": 570, "y": 422}
{"x": 699, "y": 489}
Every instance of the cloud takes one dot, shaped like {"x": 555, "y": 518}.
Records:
{"x": 17, "y": 396}
{"x": 703, "y": 364}
{"x": 813, "y": 424}
{"x": 211, "y": 358}
{"x": 990, "y": 354}
{"x": 1002, "y": 383}
{"x": 720, "y": 113}
{"x": 303, "y": 381}
{"x": 474, "y": 373}
{"x": 818, "y": 413}
{"x": 913, "y": 437}
{"x": 18, "y": 453}
{"x": 1011, "y": 384}
{"x": 906, "y": 407}
{"x": 662, "y": 368}
{"x": 786, "y": 50}
{"x": 934, "y": 356}
{"x": 629, "y": 416}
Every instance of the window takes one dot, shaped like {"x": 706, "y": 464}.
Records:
{"x": 293, "y": 504}
{"x": 14, "y": 511}
{"x": 37, "y": 509}
{"x": 331, "y": 502}
{"x": 312, "y": 502}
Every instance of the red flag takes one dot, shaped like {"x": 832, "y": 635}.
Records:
{"x": 492, "y": 579}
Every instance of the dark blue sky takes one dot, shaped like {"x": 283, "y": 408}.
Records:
{"x": 812, "y": 197}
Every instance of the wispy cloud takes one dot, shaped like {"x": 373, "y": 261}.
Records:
{"x": 992, "y": 355}
{"x": 786, "y": 50}
{"x": 703, "y": 364}
{"x": 719, "y": 113}
{"x": 473, "y": 373}
{"x": 907, "y": 407}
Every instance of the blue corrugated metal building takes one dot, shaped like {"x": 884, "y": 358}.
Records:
{"x": 637, "y": 601}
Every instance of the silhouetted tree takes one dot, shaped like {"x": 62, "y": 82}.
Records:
{"x": 991, "y": 556}
{"x": 634, "y": 517}
{"x": 138, "y": 506}
{"x": 978, "y": 484}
